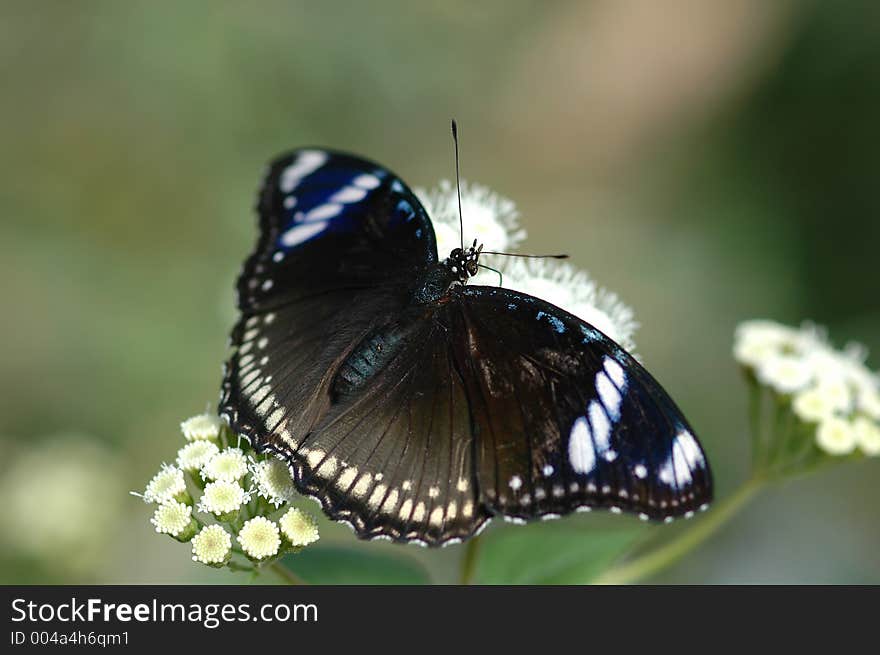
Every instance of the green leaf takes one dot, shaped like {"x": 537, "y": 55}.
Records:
{"x": 544, "y": 553}
{"x": 340, "y": 565}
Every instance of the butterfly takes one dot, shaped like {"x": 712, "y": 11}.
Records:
{"x": 416, "y": 407}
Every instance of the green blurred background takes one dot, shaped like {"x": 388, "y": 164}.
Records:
{"x": 709, "y": 161}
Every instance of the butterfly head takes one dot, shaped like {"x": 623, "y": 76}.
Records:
{"x": 463, "y": 263}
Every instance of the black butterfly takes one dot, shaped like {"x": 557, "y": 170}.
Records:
{"x": 416, "y": 407}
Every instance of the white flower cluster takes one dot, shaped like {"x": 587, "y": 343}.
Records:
{"x": 62, "y": 497}
{"x": 831, "y": 389}
{"x": 242, "y": 499}
{"x": 493, "y": 221}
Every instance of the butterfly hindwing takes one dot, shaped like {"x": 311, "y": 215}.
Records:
{"x": 393, "y": 456}
{"x": 566, "y": 419}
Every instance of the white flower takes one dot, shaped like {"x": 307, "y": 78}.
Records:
{"x": 212, "y": 545}
{"x": 757, "y": 341}
{"x": 812, "y": 406}
{"x": 259, "y": 538}
{"x": 789, "y": 359}
{"x": 62, "y": 500}
{"x": 298, "y": 527}
{"x": 273, "y": 480}
{"x": 825, "y": 363}
{"x": 175, "y": 519}
{"x": 838, "y": 393}
{"x": 831, "y": 396}
{"x": 869, "y": 402}
{"x": 785, "y": 373}
{"x": 867, "y": 435}
{"x": 168, "y": 483}
{"x": 836, "y": 436}
{"x": 222, "y": 498}
{"x": 574, "y": 291}
{"x": 203, "y": 426}
{"x": 487, "y": 217}
{"x": 229, "y": 465}
{"x": 196, "y": 454}
{"x": 765, "y": 331}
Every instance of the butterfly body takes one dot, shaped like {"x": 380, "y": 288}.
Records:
{"x": 415, "y": 406}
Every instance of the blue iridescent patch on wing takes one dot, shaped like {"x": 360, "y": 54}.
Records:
{"x": 321, "y": 194}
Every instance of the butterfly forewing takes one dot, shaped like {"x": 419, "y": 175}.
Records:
{"x": 340, "y": 238}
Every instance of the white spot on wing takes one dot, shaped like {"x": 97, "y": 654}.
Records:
{"x": 615, "y": 372}
{"x": 580, "y": 447}
{"x": 323, "y": 212}
{"x": 348, "y": 194}
{"x": 301, "y": 233}
{"x": 685, "y": 454}
{"x": 601, "y": 427}
{"x": 691, "y": 450}
{"x": 367, "y": 181}
{"x": 609, "y": 395}
{"x": 305, "y": 164}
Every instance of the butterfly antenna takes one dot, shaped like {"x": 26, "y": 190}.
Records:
{"x": 458, "y": 182}
{"x": 517, "y": 254}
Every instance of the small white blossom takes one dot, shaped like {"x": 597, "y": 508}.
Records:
{"x": 836, "y": 436}
{"x": 785, "y": 373}
{"x": 869, "y": 402}
{"x": 832, "y": 390}
{"x": 487, "y": 217}
{"x": 259, "y": 538}
{"x": 174, "y": 518}
{"x": 194, "y": 455}
{"x": 867, "y": 435}
{"x": 812, "y": 405}
{"x": 790, "y": 357}
{"x": 563, "y": 285}
{"x": 298, "y": 527}
{"x": 838, "y": 393}
{"x": 273, "y": 480}
{"x": 222, "y": 498}
{"x": 168, "y": 483}
{"x": 752, "y": 352}
{"x": 756, "y": 341}
{"x": 229, "y": 465}
{"x": 213, "y": 545}
{"x": 203, "y": 426}
{"x": 62, "y": 500}
{"x": 767, "y": 332}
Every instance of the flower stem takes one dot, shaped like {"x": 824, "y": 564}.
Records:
{"x": 469, "y": 560}
{"x": 656, "y": 560}
{"x": 755, "y": 421}
{"x": 288, "y": 576}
